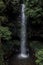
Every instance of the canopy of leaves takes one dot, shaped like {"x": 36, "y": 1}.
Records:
{"x": 34, "y": 9}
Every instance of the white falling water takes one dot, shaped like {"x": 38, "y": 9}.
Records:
{"x": 23, "y": 31}
{"x": 23, "y": 34}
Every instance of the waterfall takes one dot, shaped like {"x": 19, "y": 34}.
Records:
{"x": 23, "y": 33}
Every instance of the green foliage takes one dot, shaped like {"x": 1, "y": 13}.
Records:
{"x": 34, "y": 13}
{"x": 38, "y": 47}
{"x": 1, "y": 5}
{"x": 9, "y": 10}
{"x": 3, "y": 19}
{"x": 5, "y": 33}
{"x": 39, "y": 55}
{"x": 34, "y": 9}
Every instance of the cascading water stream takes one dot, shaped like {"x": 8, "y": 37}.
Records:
{"x": 23, "y": 34}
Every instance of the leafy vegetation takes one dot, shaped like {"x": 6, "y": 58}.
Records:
{"x": 5, "y": 33}
{"x": 38, "y": 48}
{"x": 39, "y": 55}
{"x": 34, "y": 13}
{"x": 10, "y": 11}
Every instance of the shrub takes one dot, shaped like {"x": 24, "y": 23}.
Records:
{"x": 38, "y": 47}
{"x": 5, "y": 33}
